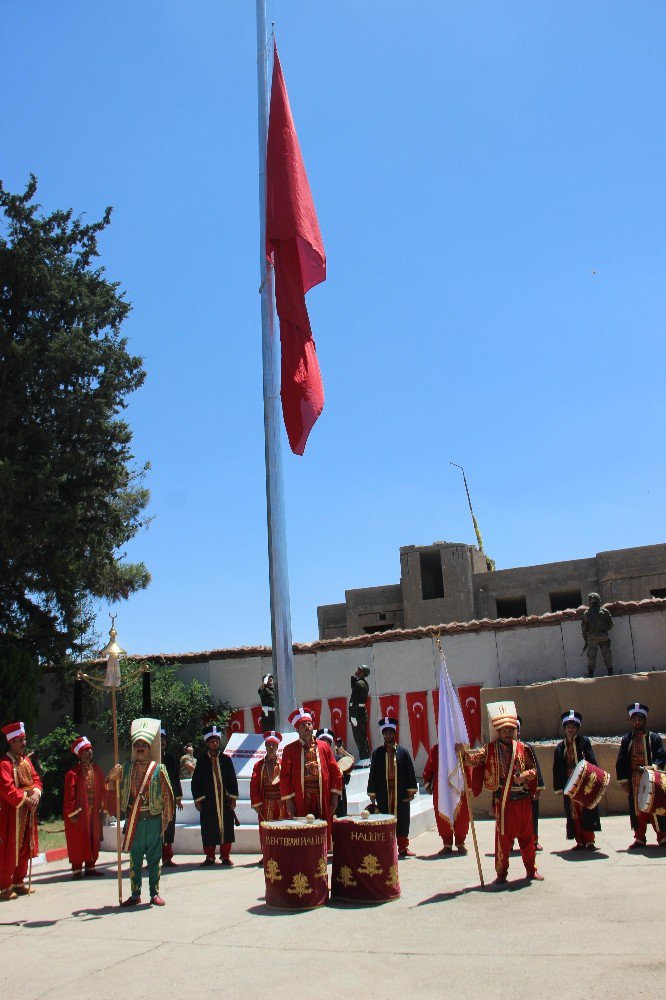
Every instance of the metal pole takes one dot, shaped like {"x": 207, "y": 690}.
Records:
{"x": 114, "y": 717}
{"x": 283, "y": 666}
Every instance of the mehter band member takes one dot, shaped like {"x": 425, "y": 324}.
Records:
{"x": 146, "y": 805}
{"x": 83, "y": 808}
{"x": 310, "y": 779}
{"x": 265, "y": 797}
{"x": 345, "y": 761}
{"x": 640, "y": 748}
{"x": 460, "y": 827}
{"x": 392, "y": 782}
{"x": 173, "y": 770}
{"x": 509, "y": 773}
{"x": 581, "y": 823}
{"x": 20, "y": 791}
{"x": 215, "y": 790}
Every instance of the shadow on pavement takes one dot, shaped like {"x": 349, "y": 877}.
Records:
{"x": 96, "y": 912}
{"x": 568, "y": 854}
{"x": 263, "y": 910}
{"x": 445, "y": 897}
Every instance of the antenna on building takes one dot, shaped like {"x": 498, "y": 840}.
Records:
{"x": 489, "y": 562}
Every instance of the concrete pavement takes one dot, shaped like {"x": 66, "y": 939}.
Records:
{"x": 593, "y": 929}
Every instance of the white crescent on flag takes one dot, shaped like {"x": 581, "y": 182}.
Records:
{"x": 336, "y": 715}
{"x": 418, "y": 704}
{"x": 235, "y": 725}
{"x": 390, "y": 710}
{"x": 472, "y": 706}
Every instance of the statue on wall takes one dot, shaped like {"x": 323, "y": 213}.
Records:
{"x": 596, "y": 624}
{"x": 358, "y": 715}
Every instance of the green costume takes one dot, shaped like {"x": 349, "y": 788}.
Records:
{"x": 154, "y": 815}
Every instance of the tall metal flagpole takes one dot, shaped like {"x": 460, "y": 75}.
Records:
{"x": 283, "y": 665}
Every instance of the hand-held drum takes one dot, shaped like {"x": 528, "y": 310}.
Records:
{"x": 365, "y": 859}
{"x": 295, "y": 853}
{"x": 587, "y": 784}
{"x": 652, "y": 792}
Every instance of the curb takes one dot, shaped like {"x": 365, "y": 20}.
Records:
{"x": 57, "y": 854}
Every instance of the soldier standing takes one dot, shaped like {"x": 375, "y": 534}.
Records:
{"x": 358, "y": 715}
{"x": 596, "y": 624}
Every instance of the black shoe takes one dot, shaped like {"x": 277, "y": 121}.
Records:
{"x": 93, "y": 872}
{"x": 207, "y": 862}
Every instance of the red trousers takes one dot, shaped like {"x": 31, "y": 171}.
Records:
{"x": 518, "y": 825}
{"x": 13, "y": 874}
{"x": 225, "y": 851}
{"x": 167, "y": 852}
{"x": 640, "y": 830}
{"x": 403, "y": 844}
{"x": 460, "y": 828}
{"x": 582, "y": 836}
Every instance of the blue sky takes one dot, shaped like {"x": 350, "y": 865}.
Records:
{"x": 472, "y": 165}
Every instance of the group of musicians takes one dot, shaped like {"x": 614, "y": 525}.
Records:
{"x": 309, "y": 778}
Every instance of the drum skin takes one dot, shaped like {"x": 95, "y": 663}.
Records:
{"x": 652, "y": 792}
{"x": 587, "y": 784}
{"x": 295, "y": 854}
{"x": 365, "y": 859}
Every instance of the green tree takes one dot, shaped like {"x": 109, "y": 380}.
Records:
{"x": 71, "y": 495}
{"x": 181, "y": 707}
{"x": 52, "y": 755}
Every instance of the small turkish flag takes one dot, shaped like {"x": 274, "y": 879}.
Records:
{"x": 338, "y": 709}
{"x": 257, "y": 718}
{"x": 314, "y": 708}
{"x": 389, "y": 706}
{"x": 470, "y": 703}
{"x": 417, "y": 713}
{"x": 236, "y": 722}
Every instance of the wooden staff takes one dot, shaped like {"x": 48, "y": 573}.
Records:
{"x": 116, "y": 761}
{"x": 33, "y": 817}
{"x": 468, "y": 796}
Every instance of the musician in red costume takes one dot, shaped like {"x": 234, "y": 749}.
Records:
{"x": 310, "y": 779}
{"x": 265, "y": 797}
{"x": 20, "y": 792}
{"x": 84, "y": 802}
{"x": 510, "y": 774}
{"x": 460, "y": 827}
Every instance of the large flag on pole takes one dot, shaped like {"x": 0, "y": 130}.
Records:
{"x": 452, "y": 730}
{"x": 294, "y": 243}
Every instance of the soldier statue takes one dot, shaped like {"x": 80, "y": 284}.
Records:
{"x": 596, "y": 624}
{"x": 358, "y": 715}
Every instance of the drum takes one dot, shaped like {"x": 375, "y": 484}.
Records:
{"x": 365, "y": 859}
{"x": 295, "y": 853}
{"x": 345, "y": 763}
{"x": 652, "y": 792}
{"x": 587, "y": 784}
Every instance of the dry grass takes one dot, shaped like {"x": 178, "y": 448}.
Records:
{"x": 51, "y": 834}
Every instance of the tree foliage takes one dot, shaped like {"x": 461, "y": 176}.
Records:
{"x": 52, "y": 755}
{"x": 70, "y": 493}
{"x": 181, "y": 708}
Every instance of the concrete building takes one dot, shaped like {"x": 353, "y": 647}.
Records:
{"x": 452, "y": 582}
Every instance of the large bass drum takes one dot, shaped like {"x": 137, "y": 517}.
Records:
{"x": 295, "y": 853}
{"x": 587, "y": 784}
{"x": 652, "y": 792}
{"x": 365, "y": 859}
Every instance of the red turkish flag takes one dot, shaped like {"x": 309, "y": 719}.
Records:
{"x": 294, "y": 243}
{"x": 417, "y": 713}
{"x": 389, "y": 705}
{"x": 338, "y": 710}
{"x": 470, "y": 703}
{"x": 257, "y": 718}
{"x": 435, "y": 706}
{"x": 236, "y": 722}
{"x": 314, "y": 708}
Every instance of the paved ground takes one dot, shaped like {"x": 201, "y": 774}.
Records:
{"x": 592, "y": 929}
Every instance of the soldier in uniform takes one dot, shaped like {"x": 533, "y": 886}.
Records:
{"x": 358, "y": 715}
{"x": 596, "y": 624}
{"x": 267, "y": 698}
